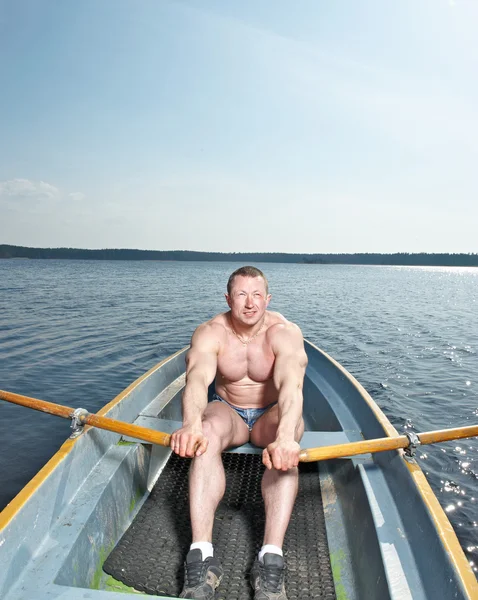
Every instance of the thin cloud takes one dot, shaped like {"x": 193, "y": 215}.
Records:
{"x": 25, "y": 188}
{"x": 76, "y": 196}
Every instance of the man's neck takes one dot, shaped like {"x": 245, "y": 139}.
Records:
{"x": 245, "y": 333}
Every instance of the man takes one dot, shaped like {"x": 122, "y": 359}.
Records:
{"x": 258, "y": 361}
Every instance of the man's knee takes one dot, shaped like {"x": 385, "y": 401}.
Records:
{"x": 264, "y": 431}
{"x": 209, "y": 428}
{"x": 216, "y": 432}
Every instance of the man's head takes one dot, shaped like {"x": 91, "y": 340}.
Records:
{"x": 248, "y": 295}
{"x": 247, "y": 272}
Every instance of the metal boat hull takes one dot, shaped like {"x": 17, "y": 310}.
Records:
{"x": 388, "y": 536}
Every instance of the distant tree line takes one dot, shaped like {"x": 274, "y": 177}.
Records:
{"x": 399, "y": 258}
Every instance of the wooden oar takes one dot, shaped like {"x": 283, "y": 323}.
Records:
{"x": 85, "y": 418}
{"x": 389, "y": 443}
{"x": 307, "y": 455}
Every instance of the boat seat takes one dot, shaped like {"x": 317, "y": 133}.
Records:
{"x": 310, "y": 439}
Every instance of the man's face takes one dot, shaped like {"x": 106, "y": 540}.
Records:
{"x": 248, "y": 299}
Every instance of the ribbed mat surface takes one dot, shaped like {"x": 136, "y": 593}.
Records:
{"x": 150, "y": 555}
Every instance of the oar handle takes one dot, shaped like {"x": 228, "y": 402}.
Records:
{"x": 353, "y": 448}
{"x": 135, "y": 431}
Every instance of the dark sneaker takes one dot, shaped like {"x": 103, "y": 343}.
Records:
{"x": 201, "y": 577}
{"x": 267, "y": 578}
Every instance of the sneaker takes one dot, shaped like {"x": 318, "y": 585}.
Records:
{"x": 201, "y": 577}
{"x": 267, "y": 578}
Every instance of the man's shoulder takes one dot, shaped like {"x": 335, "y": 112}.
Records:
{"x": 220, "y": 319}
{"x": 208, "y": 337}
{"x": 284, "y": 334}
{"x": 214, "y": 326}
{"x": 278, "y": 323}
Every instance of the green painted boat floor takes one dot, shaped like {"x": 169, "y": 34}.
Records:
{"x": 150, "y": 555}
{"x": 110, "y": 584}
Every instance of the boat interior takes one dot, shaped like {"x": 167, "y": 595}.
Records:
{"x": 111, "y": 514}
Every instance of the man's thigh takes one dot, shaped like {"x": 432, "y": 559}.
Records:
{"x": 222, "y": 423}
{"x": 264, "y": 431}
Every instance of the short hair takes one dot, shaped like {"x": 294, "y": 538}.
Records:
{"x": 247, "y": 272}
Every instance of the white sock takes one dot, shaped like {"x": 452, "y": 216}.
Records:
{"x": 206, "y": 548}
{"x": 269, "y": 548}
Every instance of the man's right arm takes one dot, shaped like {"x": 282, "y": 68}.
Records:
{"x": 201, "y": 366}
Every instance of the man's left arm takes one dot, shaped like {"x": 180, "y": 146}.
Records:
{"x": 289, "y": 371}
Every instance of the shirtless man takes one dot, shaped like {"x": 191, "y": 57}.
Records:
{"x": 258, "y": 360}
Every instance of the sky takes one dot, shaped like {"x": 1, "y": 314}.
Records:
{"x": 313, "y": 126}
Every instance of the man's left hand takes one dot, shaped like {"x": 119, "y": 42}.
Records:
{"x": 282, "y": 455}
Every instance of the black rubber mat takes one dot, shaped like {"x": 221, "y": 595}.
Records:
{"x": 150, "y": 555}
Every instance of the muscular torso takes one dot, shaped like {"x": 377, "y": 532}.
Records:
{"x": 244, "y": 371}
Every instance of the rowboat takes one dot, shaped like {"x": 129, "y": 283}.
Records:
{"x": 107, "y": 515}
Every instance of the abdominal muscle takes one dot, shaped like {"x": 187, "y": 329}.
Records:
{"x": 247, "y": 394}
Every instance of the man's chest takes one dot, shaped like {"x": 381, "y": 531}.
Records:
{"x": 238, "y": 362}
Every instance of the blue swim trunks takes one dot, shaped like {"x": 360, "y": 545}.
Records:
{"x": 248, "y": 415}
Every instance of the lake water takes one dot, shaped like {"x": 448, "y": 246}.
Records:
{"x": 78, "y": 332}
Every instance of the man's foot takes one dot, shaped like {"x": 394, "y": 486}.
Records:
{"x": 201, "y": 577}
{"x": 267, "y": 578}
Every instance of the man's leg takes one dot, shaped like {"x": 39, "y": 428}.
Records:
{"x": 279, "y": 488}
{"x": 207, "y": 481}
{"x": 223, "y": 428}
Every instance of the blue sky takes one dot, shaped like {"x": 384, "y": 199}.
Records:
{"x": 314, "y": 126}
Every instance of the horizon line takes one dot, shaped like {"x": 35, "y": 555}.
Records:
{"x": 236, "y": 253}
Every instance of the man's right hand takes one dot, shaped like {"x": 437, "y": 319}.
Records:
{"x": 189, "y": 442}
